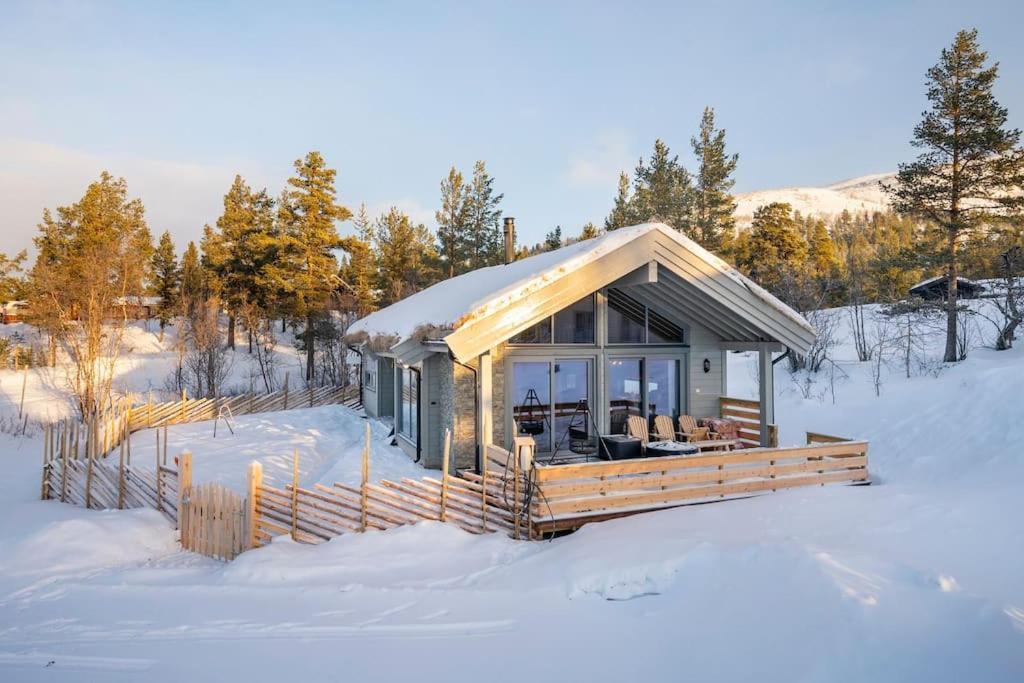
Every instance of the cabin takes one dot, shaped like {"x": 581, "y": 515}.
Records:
{"x": 13, "y": 312}
{"x": 567, "y": 345}
{"x": 937, "y": 288}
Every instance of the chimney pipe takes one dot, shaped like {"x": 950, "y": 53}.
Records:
{"x": 510, "y": 239}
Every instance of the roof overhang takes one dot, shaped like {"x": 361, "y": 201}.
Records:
{"x": 663, "y": 270}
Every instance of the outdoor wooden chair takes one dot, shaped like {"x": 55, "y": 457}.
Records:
{"x": 663, "y": 429}
{"x": 689, "y": 431}
{"x": 636, "y": 426}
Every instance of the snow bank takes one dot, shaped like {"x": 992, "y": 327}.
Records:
{"x": 329, "y": 441}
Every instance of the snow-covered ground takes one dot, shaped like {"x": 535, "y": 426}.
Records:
{"x": 144, "y": 366}
{"x": 917, "y": 577}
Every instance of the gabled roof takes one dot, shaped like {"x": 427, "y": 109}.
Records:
{"x": 487, "y": 306}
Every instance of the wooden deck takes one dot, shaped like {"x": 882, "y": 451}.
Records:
{"x": 568, "y": 496}
{"x": 568, "y": 491}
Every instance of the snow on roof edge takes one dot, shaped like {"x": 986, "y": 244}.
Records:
{"x": 455, "y": 301}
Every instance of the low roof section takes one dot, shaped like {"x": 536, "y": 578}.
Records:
{"x": 660, "y": 267}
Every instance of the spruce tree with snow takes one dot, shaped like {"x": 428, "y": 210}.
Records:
{"x": 166, "y": 279}
{"x": 484, "y": 241}
{"x": 971, "y": 168}
{"x": 713, "y": 205}
{"x": 306, "y": 269}
{"x": 622, "y": 213}
{"x": 452, "y": 220}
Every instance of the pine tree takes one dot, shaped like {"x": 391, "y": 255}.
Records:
{"x": 11, "y": 284}
{"x": 166, "y": 279}
{"x": 452, "y": 220}
{"x": 773, "y": 246}
{"x": 192, "y": 288}
{"x": 405, "y": 255}
{"x": 359, "y": 272}
{"x": 553, "y": 240}
{"x": 622, "y": 212}
{"x": 484, "y": 241}
{"x": 92, "y": 258}
{"x": 305, "y": 268}
{"x": 713, "y": 205}
{"x": 244, "y": 247}
{"x": 971, "y": 164}
{"x": 662, "y": 190}
{"x": 589, "y": 232}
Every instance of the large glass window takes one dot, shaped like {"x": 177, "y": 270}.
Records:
{"x": 663, "y": 387}
{"x": 642, "y": 386}
{"x": 572, "y": 325}
{"x": 575, "y": 325}
{"x": 531, "y": 401}
{"x": 627, "y": 319}
{"x": 572, "y": 403}
{"x": 625, "y": 386}
{"x": 408, "y": 422}
{"x": 630, "y": 322}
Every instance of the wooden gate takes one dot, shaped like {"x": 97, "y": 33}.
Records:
{"x": 212, "y": 521}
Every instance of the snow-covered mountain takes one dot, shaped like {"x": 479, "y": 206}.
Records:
{"x": 854, "y": 195}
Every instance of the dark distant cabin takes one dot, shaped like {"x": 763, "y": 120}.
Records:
{"x": 937, "y": 289}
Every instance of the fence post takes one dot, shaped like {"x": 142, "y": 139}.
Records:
{"x": 21, "y": 406}
{"x": 44, "y": 488}
{"x": 515, "y": 491}
{"x": 64, "y": 447}
{"x": 184, "y": 486}
{"x": 364, "y": 490}
{"x": 255, "y": 481}
{"x": 184, "y": 397}
{"x": 483, "y": 489}
{"x": 295, "y": 493}
{"x": 311, "y": 396}
{"x": 89, "y": 451}
{"x": 444, "y": 472}
{"x": 120, "y": 475}
{"x": 285, "y": 391}
{"x": 165, "y": 444}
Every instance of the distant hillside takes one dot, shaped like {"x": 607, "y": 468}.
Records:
{"x": 854, "y": 195}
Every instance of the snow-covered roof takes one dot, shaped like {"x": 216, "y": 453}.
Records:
{"x": 480, "y": 293}
{"x": 137, "y": 301}
{"x": 939, "y": 278}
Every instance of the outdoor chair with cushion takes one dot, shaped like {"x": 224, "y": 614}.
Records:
{"x": 690, "y": 431}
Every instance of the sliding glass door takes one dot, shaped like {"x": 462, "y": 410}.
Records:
{"x": 642, "y": 385}
{"x": 551, "y": 401}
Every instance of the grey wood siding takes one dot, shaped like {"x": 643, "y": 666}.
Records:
{"x": 705, "y": 387}
{"x": 430, "y": 400}
{"x": 371, "y": 397}
{"x": 386, "y": 387}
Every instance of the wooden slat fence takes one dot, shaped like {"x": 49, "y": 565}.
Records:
{"x": 146, "y": 415}
{"x": 477, "y": 503}
{"x": 747, "y": 414}
{"x": 101, "y": 484}
{"x": 567, "y": 496}
{"x": 212, "y": 521}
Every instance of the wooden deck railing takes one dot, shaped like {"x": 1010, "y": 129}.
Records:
{"x": 567, "y": 496}
{"x": 748, "y": 414}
